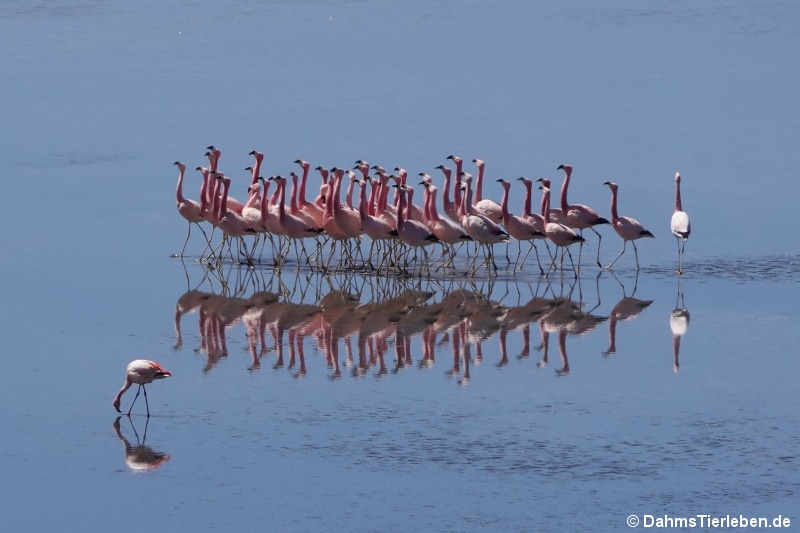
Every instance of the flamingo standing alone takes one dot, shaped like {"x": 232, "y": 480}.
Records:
{"x": 189, "y": 209}
{"x": 680, "y": 225}
{"x": 579, "y": 216}
{"x": 626, "y": 227}
{"x": 140, "y": 372}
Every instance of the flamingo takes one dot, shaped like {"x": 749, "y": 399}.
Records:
{"x": 376, "y": 228}
{"x": 315, "y": 210}
{"x": 579, "y": 216}
{"x": 488, "y": 208}
{"x": 412, "y": 232}
{"x": 292, "y": 226}
{"x": 140, "y": 372}
{"x": 213, "y": 155}
{"x": 189, "y": 209}
{"x": 231, "y": 223}
{"x": 445, "y": 230}
{"x": 459, "y": 163}
{"x": 449, "y": 207}
{"x": 480, "y": 228}
{"x": 626, "y": 227}
{"x": 521, "y": 228}
{"x": 559, "y": 234}
{"x": 680, "y": 225}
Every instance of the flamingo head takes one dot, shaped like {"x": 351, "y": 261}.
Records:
{"x": 566, "y": 168}
{"x": 611, "y": 185}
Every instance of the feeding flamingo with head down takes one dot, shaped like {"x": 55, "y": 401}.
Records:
{"x": 140, "y": 372}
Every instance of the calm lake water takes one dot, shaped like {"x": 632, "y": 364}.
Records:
{"x": 306, "y": 402}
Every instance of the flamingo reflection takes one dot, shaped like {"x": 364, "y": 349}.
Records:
{"x": 678, "y": 324}
{"x": 626, "y": 309}
{"x": 139, "y": 457}
{"x": 375, "y": 321}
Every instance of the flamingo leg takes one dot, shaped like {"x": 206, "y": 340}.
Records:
{"x": 134, "y": 400}
{"x": 599, "y": 239}
{"x": 624, "y": 243}
{"x": 188, "y": 233}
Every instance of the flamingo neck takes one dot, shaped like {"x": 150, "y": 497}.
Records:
{"x": 564, "y": 187}
{"x": 401, "y": 199}
{"x": 350, "y": 193}
{"x": 302, "y": 197}
{"x": 433, "y": 214}
{"x": 179, "y": 192}
{"x": 362, "y": 206}
{"x": 614, "y": 216}
{"x": 256, "y": 170}
{"x": 282, "y": 202}
{"x": 678, "y": 205}
{"x": 293, "y": 196}
{"x": 504, "y": 202}
{"x": 479, "y": 185}
{"x": 526, "y": 207}
{"x": 372, "y": 204}
{"x": 546, "y": 206}
{"x": 446, "y": 191}
{"x": 457, "y": 193}
{"x": 223, "y": 201}
{"x": 409, "y": 204}
{"x": 265, "y": 201}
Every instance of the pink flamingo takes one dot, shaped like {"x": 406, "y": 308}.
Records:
{"x": 410, "y": 231}
{"x": 680, "y": 225}
{"x": 450, "y": 208}
{"x": 556, "y": 214}
{"x": 315, "y": 210}
{"x": 479, "y": 227}
{"x": 140, "y": 372}
{"x": 445, "y": 230}
{"x": 520, "y": 228}
{"x": 559, "y": 234}
{"x": 488, "y": 208}
{"x": 457, "y": 189}
{"x": 292, "y": 226}
{"x": 376, "y": 228}
{"x": 189, "y": 209}
{"x": 626, "y": 227}
{"x": 231, "y": 223}
{"x": 579, "y": 216}
{"x": 213, "y": 155}
{"x": 294, "y": 205}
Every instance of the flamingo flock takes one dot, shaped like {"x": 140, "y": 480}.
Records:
{"x": 380, "y": 206}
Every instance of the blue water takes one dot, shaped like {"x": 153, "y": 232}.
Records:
{"x": 100, "y": 98}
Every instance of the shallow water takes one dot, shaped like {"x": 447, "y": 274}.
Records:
{"x": 569, "y": 406}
